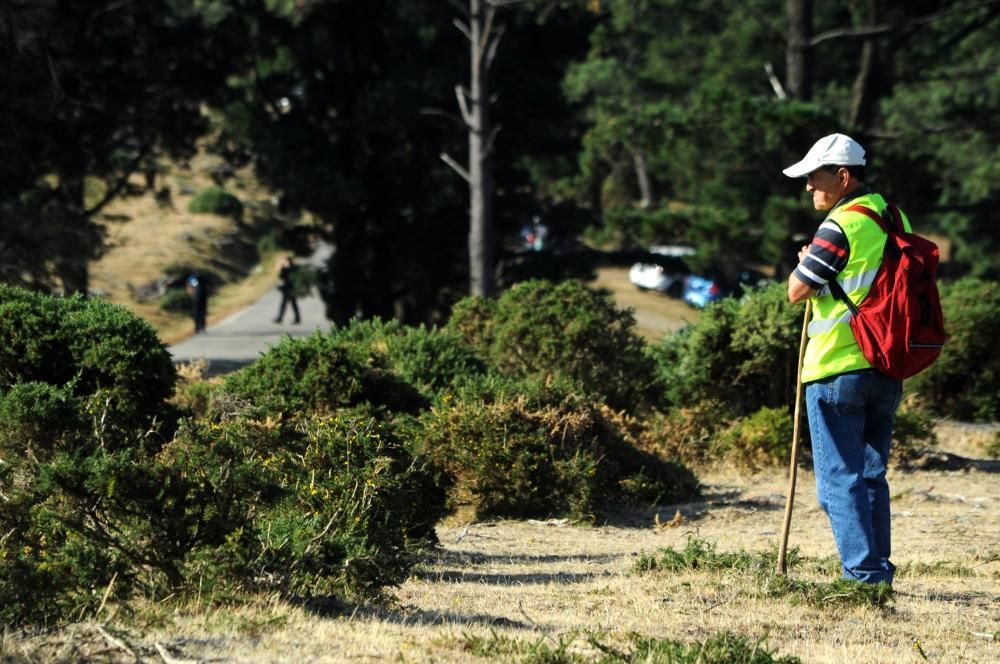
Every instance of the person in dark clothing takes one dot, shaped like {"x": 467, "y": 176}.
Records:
{"x": 286, "y": 284}
{"x": 196, "y": 288}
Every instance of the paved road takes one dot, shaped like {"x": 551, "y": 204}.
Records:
{"x": 243, "y": 337}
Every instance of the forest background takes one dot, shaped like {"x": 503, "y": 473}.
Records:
{"x": 625, "y": 122}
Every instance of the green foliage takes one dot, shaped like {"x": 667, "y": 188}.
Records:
{"x": 720, "y": 648}
{"x": 322, "y": 373}
{"x": 759, "y": 568}
{"x": 963, "y": 382}
{"x": 913, "y": 433}
{"x": 545, "y": 330}
{"x": 103, "y": 350}
{"x": 216, "y": 200}
{"x": 427, "y": 358}
{"x": 176, "y": 299}
{"x": 524, "y": 448}
{"x": 321, "y": 505}
{"x": 741, "y": 353}
{"x": 992, "y": 447}
{"x": 687, "y": 435}
{"x": 702, "y": 555}
{"x": 762, "y": 439}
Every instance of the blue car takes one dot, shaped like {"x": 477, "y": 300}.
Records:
{"x": 700, "y": 290}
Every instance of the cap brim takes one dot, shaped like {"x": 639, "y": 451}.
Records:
{"x": 801, "y": 169}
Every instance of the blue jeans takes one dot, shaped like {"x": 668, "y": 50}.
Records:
{"x": 850, "y": 419}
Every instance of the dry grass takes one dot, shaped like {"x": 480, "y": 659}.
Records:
{"x": 144, "y": 238}
{"x": 655, "y": 313}
{"x": 555, "y": 580}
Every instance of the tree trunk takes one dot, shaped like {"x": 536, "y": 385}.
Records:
{"x": 481, "y": 281}
{"x": 797, "y": 57}
{"x": 648, "y": 198}
{"x": 864, "y": 94}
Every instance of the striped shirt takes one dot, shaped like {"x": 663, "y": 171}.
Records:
{"x": 828, "y": 251}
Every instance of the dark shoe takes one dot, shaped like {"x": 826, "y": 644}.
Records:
{"x": 296, "y": 321}
{"x": 278, "y": 321}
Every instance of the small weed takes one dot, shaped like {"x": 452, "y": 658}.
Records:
{"x": 701, "y": 555}
{"x": 721, "y": 648}
{"x": 839, "y": 593}
{"x": 544, "y": 650}
{"x": 936, "y": 568}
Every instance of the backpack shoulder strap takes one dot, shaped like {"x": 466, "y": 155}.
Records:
{"x": 888, "y": 221}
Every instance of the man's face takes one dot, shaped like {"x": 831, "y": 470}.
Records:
{"x": 826, "y": 188}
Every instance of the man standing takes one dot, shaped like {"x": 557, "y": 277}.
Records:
{"x": 197, "y": 289}
{"x": 287, "y": 286}
{"x": 851, "y": 406}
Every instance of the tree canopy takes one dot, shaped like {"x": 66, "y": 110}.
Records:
{"x": 641, "y": 121}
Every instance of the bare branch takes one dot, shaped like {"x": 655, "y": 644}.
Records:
{"x": 779, "y": 90}
{"x": 446, "y": 158}
{"x": 427, "y": 110}
{"x": 488, "y": 144}
{"x": 463, "y": 104}
{"x": 463, "y": 28}
{"x": 484, "y": 37}
{"x": 494, "y": 43}
{"x": 873, "y": 30}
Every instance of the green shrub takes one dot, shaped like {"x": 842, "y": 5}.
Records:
{"x": 742, "y": 354}
{"x": 688, "y": 435}
{"x": 964, "y": 382}
{"x": 525, "y": 448}
{"x": 913, "y": 433}
{"x": 321, "y": 505}
{"x": 322, "y": 373}
{"x": 216, "y": 200}
{"x": 83, "y": 388}
{"x": 95, "y": 346}
{"x": 544, "y": 330}
{"x": 176, "y": 299}
{"x": 762, "y": 439}
{"x": 427, "y": 358}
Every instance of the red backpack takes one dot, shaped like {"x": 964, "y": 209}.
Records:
{"x": 899, "y": 325}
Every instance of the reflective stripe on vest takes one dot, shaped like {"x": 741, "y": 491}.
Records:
{"x": 832, "y": 348}
{"x": 850, "y": 285}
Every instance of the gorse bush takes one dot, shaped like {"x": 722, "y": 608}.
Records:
{"x": 912, "y": 434}
{"x": 319, "y": 505}
{"x": 543, "y": 330}
{"x": 216, "y": 200}
{"x": 320, "y": 374}
{"x": 427, "y": 358}
{"x": 103, "y": 496}
{"x": 83, "y": 388}
{"x": 523, "y": 448}
{"x": 964, "y": 382}
{"x": 741, "y": 353}
{"x": 95, "y": 346}
{"x": 760, "y": 440}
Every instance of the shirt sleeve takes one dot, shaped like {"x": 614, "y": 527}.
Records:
{"x": 827, "y": 256}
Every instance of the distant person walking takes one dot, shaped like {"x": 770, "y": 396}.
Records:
{"x": 287, "y": 286}
{"x": 197, "y": 290}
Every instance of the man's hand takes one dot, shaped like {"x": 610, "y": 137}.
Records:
{"x": 798, "y": 290}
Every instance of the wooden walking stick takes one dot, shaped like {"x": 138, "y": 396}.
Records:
{"x": 793, "y": 471}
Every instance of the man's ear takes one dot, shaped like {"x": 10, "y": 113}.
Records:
{"x": 843, "y": 176}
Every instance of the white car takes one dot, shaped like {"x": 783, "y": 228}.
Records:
{"x": 663, "y": 269}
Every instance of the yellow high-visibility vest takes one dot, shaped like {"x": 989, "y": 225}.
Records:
{"x": 832, "y": 348}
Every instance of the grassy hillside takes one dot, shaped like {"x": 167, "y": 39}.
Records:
{"x": 151, "y": 235}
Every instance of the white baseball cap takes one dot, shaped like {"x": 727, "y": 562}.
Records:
{"x": 835, "y": 149}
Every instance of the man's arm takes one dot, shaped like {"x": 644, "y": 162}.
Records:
{"x": 819, "y": 262}
{"x": 798, "y": 290}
